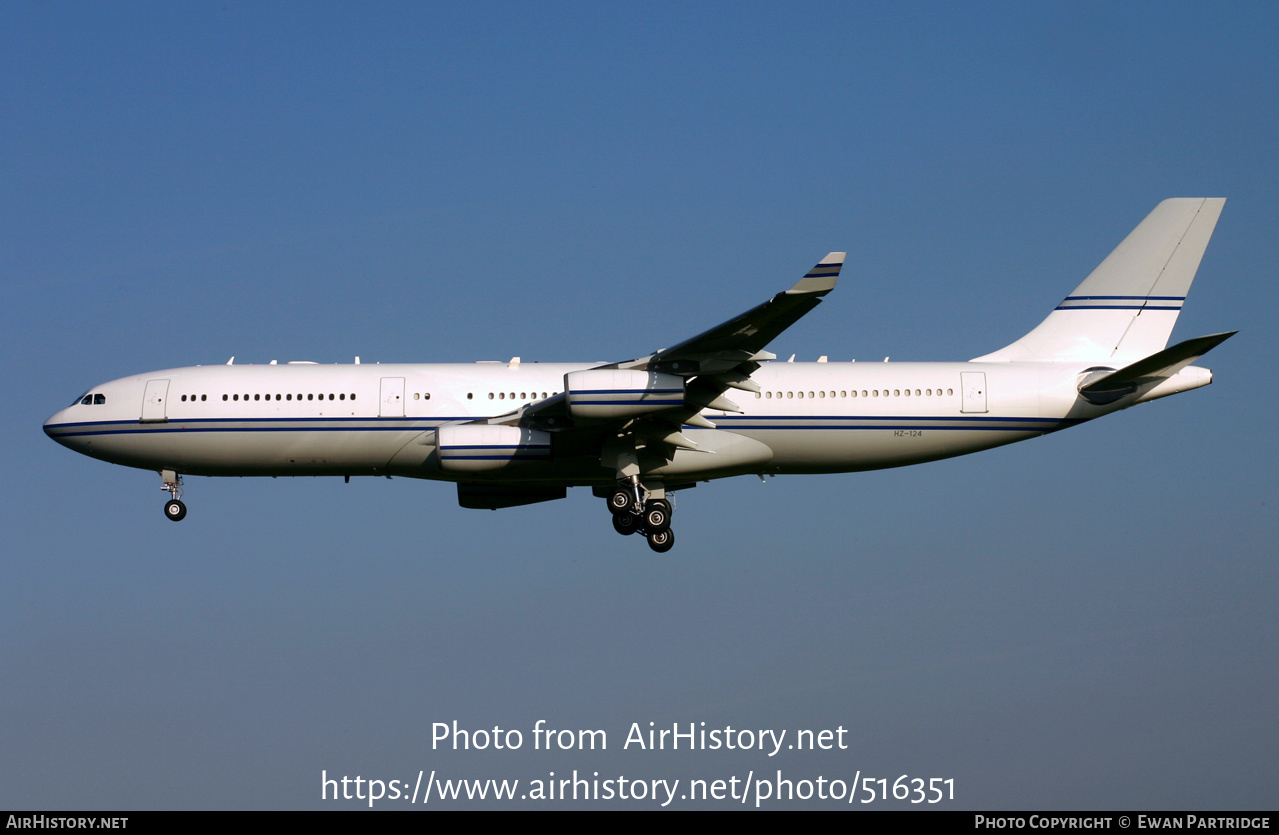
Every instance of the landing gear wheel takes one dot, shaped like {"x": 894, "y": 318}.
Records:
{"x": 657, "y": 517}
{"x": 175, "y": 510}
{"x": 661, "y": 541}
{"x": 625, "y": 523}
{"x": 620, "y": 500}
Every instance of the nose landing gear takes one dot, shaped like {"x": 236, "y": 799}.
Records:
{"x": 174, "y": 508}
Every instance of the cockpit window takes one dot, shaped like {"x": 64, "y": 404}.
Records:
{"x": 99, "y": 399}
{"x": 86, "y": 400}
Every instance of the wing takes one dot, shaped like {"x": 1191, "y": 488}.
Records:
{"x": 657, "y": 394}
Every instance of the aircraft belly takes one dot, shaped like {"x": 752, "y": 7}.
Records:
{"x": 248, "y": 451}
{"x": 810, "y": 444}
{"x": 850, "y": 450}
{"x": 719, "y": 454}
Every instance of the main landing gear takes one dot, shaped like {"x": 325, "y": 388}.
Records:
{"x": 174, "y": 508}
{"x": 632, "y": 514}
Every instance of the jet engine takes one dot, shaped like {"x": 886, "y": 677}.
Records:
{"x": 480, "y": 448}
{"x": 608, "y": 393}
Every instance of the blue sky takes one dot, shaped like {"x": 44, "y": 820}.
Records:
{"x": 1085, "y": 620}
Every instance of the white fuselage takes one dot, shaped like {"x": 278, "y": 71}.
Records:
{"x": 306, "y": 419}
{"x": 711, "y": 406}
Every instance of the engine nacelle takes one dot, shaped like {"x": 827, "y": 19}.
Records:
{"x": 606, "y": 393}
{"x": 479, "y": 448}
{"x": 495, "y": 496}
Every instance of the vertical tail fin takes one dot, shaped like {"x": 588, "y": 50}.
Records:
{"x": 1126, "y": 308}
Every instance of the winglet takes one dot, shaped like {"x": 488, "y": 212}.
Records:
{"x": 821, "y": 278}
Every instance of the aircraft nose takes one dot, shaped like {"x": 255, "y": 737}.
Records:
{"x": 52, "y": 426}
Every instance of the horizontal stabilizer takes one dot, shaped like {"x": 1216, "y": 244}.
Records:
{"x": 1152, "y": 369}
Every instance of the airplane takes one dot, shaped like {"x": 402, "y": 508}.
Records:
{"x": 516, "y": 433}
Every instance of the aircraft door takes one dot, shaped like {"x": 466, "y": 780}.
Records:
{"x": 392, "y": 397}
{"x": 153, "y": 401}
{"x": 973, "y": 386}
